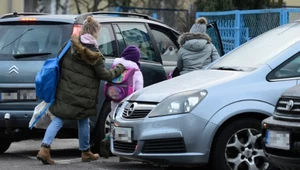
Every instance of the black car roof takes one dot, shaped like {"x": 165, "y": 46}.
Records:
{"x": 71, "y": 19}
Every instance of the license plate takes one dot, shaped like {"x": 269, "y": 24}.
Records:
{"x": 122, "y": 134}
{"x": 18, "y": 95}
{"x": 278, "y": 139}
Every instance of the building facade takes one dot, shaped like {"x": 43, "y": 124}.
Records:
{"x": 292, "y": 3}
{"x": 8, "y": 6}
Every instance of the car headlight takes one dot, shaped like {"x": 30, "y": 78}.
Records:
{"x": 179, "y": 103}
{"x": 117, "y": 109}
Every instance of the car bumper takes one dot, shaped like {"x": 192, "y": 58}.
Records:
{"x": 17, "y": 118}
{"x": 168, "y": 140}
{"x": 283, "y": 158}
{"x": 284, "y": 162}
{"x": 14, "y": 124}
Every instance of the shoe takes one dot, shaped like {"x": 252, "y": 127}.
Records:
{"x": 87, "y": 156}
{"x": 104, "y": 149}
{"x": 44, "y": 156}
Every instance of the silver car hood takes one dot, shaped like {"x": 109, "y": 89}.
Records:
{"x": 201, "y": 79}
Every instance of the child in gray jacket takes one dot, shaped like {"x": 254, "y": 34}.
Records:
{"x": 197, "y": 50}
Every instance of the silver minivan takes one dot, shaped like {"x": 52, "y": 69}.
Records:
{"x": 213, "y": 115}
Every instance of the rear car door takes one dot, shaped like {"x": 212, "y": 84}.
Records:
{"x": 166, "y": 42}
{"x": 137, "y": 34}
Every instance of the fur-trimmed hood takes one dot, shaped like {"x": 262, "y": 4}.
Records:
{"x": 191, "y": 36}
{"x": 85, "y": 53}
{"x": 194, "y": 41}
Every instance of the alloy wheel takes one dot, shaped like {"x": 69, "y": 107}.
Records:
{"x": 107, "y": 123}
{"x": 244, "y": 151}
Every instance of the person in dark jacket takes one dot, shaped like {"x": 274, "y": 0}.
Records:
{"x": 82, "y": 68}
{"x": 197, "y": 50}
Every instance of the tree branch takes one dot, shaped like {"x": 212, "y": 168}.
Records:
{"x": 100, "y": 9}
{"x": 77, "y": 6}
{"x": 96, "y": 4}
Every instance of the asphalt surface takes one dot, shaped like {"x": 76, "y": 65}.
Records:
{"x": 21, "y": 156}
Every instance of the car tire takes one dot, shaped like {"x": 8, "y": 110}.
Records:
{"x": 101, "y": 127}
{"x": 238, "y": 146}
{"x": 4, "y": 145}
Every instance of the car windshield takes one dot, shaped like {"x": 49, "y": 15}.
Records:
{"x": 32, "y": 41}
{"x": 260, "y": 50}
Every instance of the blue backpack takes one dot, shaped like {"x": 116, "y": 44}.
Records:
{"x": 46, "y": 80}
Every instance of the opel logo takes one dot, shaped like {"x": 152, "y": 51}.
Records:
{"x": 290, "y": 105}
{"x": 13, "y": 69}
{"x": 129, "y": 111}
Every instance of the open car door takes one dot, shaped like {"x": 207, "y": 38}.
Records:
{"x": 213, "y": 32}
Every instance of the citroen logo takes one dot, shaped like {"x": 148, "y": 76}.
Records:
{"x": 13, "y": 69}
{"x": 290, "y": 105}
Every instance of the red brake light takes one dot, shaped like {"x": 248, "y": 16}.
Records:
{"x": 27, "y": 19}
{"x": 76, "y": 29}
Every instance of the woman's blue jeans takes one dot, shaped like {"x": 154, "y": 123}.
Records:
{"x": 83, "y": 132}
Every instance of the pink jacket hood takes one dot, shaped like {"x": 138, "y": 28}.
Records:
{"x": 126, "y": 63}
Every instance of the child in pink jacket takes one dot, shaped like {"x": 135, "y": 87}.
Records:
{"x": 130, "y": 59}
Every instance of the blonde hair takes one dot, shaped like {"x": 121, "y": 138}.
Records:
{"x": 90, "y": 26}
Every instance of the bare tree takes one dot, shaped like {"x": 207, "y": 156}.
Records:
{"x": 62, "y": 6}
{"x": 42, "y": 6}
{"x": 89, "y": 8}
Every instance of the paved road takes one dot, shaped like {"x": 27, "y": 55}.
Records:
{"x": 21, "y": 156}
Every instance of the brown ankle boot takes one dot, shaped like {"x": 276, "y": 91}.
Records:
{"x": 44, "y": 156}
{"x": 87, "y": 156}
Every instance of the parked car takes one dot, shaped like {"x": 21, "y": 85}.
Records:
{"x": 28, "y": 39}
{"x": 281, "y": 132}
{"x": 213, "y": 115}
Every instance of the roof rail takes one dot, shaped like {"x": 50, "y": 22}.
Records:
{"x": 17, "y": 14}
{"x": 82, "y": 17}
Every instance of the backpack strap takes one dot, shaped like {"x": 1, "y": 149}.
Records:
{"x": 64, "y": 50}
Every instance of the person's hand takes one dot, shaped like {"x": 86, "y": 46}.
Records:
{"x": 121, "y": 67}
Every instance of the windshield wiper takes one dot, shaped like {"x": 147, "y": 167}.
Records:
{"x": 27, "y": 55}
{"x": 30, "y": 29}
{"x": 229, "y": 68}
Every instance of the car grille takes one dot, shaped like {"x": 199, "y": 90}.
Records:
{"x": 137, "y": 110}
{"x": 287, "y": 108}
{"x": 136, "y": 114}
{"x": 125, "y": 147}
{"x": 172, "y": 145}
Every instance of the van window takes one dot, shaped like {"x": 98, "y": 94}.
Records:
{"x": 31, "y": 39}
{"x": 168, "y": 50}
{"x": 137, "y": 34}
{"x": 106, "y": 41}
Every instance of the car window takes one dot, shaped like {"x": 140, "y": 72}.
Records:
{"x": 289, "y": 69}
{"x": 261, "y": 49}
{"x": 167, "y": 48}
{"x": 136, "y": 34}
{"x": 106, "y": 41}
{"x": 28, "y": 39}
